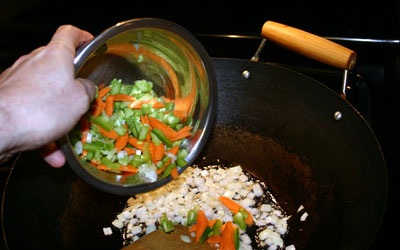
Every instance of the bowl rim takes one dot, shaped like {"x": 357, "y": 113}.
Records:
{"x": 209, "y": 118}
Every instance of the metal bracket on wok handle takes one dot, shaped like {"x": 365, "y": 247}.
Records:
{"x": 309, "y": 45}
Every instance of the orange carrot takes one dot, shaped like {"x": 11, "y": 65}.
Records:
{"x": 158, "y": 105}
{"x": 181, "y": 114}
{"x": 227, "y": 239}
{"x": 211, "y": 223}
{"x": 167, "y": 131}
{"x": 109, "y": 105}
{"x": 109, "y": 134}
{"x": 203, "y": 224}
{"x": 134, "y": 142}
{"x": 158, "y": 151}
{"x": 136, "y": 104}
{"x": 174, "y": 150}
{"x": 216, "y": 239}
{"x": 181, "y": 136}
{"x": 174, "y": 173}
{"x": 103, "y": 167}
{"x": 193, "y": 228}
{"x": 121, "y": 141}
{"x": 104, "y": 91}
{"x": 98, "y": 106}
{"x": 84, "y": 138}
{"x": 128, "y": 168}
{"x": 184, "y": 129}
{"x": 234, "y": 208}
{"x": 130, "y": 151}
{"x": 124, "y": 98}
{"x": 101, "y": 86}
{"x": 151, "y": 151}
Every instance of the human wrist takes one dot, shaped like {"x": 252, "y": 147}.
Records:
{"x": 8, "y": 144}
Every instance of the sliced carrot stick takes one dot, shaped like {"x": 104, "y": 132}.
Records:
{"x": 128, "y": 168}
{"x": 130, "y": 151}
{"x": 203, "y": 223}
{"x": 84, "y": 138}
{"x": 109, "y": 134}
{"x": 134, "y": 142}
{"x": 181, "y": 136}
{"x": 109, "y": 105}
{"x": 234, "y": 208}
{"x": 181, "y": 114}
{"x": 227, "y": 239}
{"x": 103, "y": 167}
{"x": 97, "y": 107}
{"x": 167, "y": 131}
{"x": 104, "y": 91}
{"x": 158, "y": 151}
{"x": 193, "y": 228}
{"x": 121, "y": 141}
{"x": 174, "y": 150}
{"x": 184, "y": 129}
{"x": 216, "y": 239}
{"x": 136, "y": 104}
{"x": 174, "y": 173}
{"x": 124, "y": 98}
{"x": 93, "y": 163}
{"x": 211, "y": 223}
{"x": 151, "y": 150}
{"x": 158, "y": 105}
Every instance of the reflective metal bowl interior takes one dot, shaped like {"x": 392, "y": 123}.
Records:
{"x": 167, "y": 55}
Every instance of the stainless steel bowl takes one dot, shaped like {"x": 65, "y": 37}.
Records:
{"x": 166, "y": 54}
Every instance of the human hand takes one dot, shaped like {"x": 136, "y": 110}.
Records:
{"x": 40, "y": 99}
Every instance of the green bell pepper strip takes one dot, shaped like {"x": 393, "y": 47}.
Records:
{"x": 91, "y": 147}
{"x": 191, "y": 217}
{"x": 103, "y": 122}
{"x": 107, "y": 162}
{"x": 120, "y": 130}
{"x": 167, "y": 171}
{"x": 143, "y": 132}
{"x": 204, "y": 236}
{"x": 115, "y": 86}
{"x": 215, "y": 229}
{"x": 162, "y": 137}
{"x": 239, "y": 220}
{"x": 165, "y": 224}
{"x": 236, "y": 238}
{"x": 180, "y": 158}
{"x": 147, "y": 108}
{"x": 155, "y": 139}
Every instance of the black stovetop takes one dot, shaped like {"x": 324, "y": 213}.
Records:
{"x": 374, "y": 83}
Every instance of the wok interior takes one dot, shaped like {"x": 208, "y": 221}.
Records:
{"x": 277, "y": 128}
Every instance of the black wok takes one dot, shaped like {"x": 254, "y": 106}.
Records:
{"x": 278, "y": 124}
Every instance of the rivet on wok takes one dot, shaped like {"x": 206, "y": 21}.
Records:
{"x": 337, "y": 115}
{"x": 246, "y": 74}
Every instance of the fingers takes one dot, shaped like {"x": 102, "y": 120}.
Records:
{"x": 70, "y": 37}
{"x": 89, "y": 87}
{"x": 52, "y": 155}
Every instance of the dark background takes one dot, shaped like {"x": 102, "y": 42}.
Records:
{"x": 28, "y": 24}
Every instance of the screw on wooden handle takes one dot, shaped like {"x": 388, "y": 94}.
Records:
{"x": 309, "y": 45}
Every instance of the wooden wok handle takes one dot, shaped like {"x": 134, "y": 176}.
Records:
{"x": 309, "y": 45}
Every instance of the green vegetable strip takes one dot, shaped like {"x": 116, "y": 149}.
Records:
{"x": 162, "y": 137}
{"x": 102, "y": 149}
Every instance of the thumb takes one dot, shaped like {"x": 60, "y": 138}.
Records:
{"x": 89, "y": 87}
